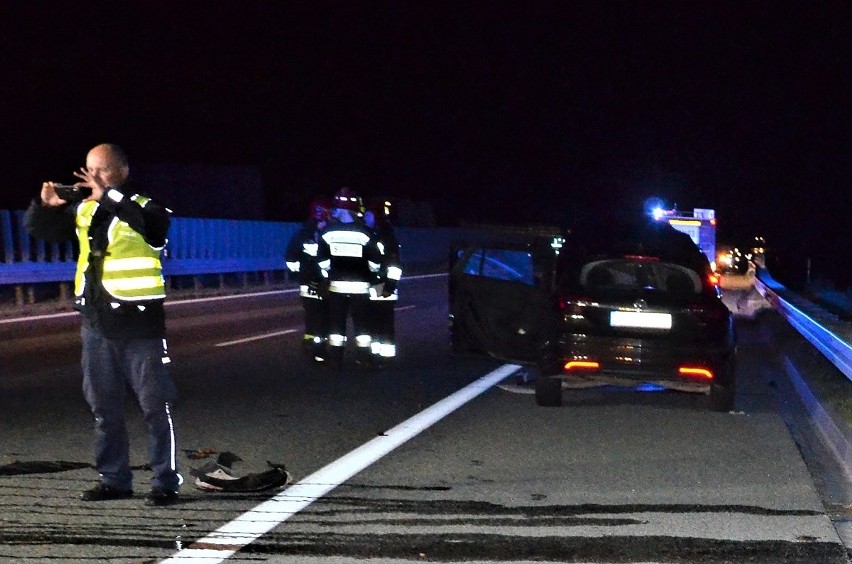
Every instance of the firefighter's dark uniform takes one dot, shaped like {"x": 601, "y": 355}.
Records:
{"x": 301, "y": 257}
{"x": 384, "y": 294}
{"x": 349, "y": 256}
{"x": 120, "y": 290}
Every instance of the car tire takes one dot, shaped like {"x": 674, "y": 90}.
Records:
{"x": 548, "y": 391}
{"x": 723, "y": 396}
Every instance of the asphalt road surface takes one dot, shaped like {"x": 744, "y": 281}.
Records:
{"x": 437, "y": 458}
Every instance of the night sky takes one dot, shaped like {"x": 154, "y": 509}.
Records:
{"x": 543, "y": 112}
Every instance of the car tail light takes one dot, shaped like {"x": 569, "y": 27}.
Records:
{"x": 581, "y": 365}
{"x": 695, "y": 372}
{"x": 714, "y": 279}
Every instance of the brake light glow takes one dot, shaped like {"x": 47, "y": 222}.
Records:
{"x": 581, "y": 365}
{"x": 714, "y": 279}
{"x": 695, "y": 372}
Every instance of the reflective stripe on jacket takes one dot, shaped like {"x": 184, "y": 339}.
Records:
{"x": 132, "y": 270}
{"x": 349, "y": 258}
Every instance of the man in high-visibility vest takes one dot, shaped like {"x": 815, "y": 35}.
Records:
{"x": 120, "y": 289}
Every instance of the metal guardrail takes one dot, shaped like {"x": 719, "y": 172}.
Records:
{"x": 825, "y": 331}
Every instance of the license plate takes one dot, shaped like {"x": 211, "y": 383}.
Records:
{"x": 643, "y": 319}
{"x": 346, "y": 250}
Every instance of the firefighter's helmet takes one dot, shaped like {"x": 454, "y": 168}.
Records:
{"x": 346, "y": 199}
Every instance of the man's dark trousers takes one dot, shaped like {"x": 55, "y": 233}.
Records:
{"x": 110, "y": 366}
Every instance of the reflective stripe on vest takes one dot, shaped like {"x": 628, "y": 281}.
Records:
{"x": 346, "y": 243}
{"x": 375, "y": 296}
{"x": 349, "y": 287}
{"x": 132, "y": 270}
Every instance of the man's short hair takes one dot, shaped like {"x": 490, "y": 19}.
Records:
{"x": 119, "y": 153}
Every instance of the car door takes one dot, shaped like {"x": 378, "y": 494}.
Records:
{"x": 501, "y": 299}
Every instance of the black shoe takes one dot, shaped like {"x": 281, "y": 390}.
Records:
{"x": 160, "y": 496}
{"x": 103, "y": 492}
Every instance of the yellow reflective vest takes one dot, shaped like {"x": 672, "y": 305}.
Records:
{"x": 132, "y": 270}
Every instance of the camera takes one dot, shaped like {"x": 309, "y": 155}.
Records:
{"x": 72, "y": 194}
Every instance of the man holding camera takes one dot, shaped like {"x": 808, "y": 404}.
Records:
{"x": 120, "y": 289}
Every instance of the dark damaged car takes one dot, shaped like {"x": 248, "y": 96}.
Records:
{"x": 633, "y": 305}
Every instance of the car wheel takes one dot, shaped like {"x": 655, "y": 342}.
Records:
{"x": 722, "y": 396}
{"x": 548, "y": 391}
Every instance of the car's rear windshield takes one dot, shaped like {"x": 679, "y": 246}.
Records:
{"x": 624, "y": 260}
{"x": 632, "y": 274}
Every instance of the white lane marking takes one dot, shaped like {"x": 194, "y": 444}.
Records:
{"x": 256, "y": 338}
{"x": 38, "y": 317}
{"x": 248, "y": 527}
{"x": 403, "y": 308}
{"x": 231, "y": 297}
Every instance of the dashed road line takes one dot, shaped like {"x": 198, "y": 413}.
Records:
{"x": 256, "y": 338}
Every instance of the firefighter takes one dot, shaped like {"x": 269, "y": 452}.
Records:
{"x": 384, "y": 293}
{"x": 301, "y": 258}
{"x": 349, "y": 258}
